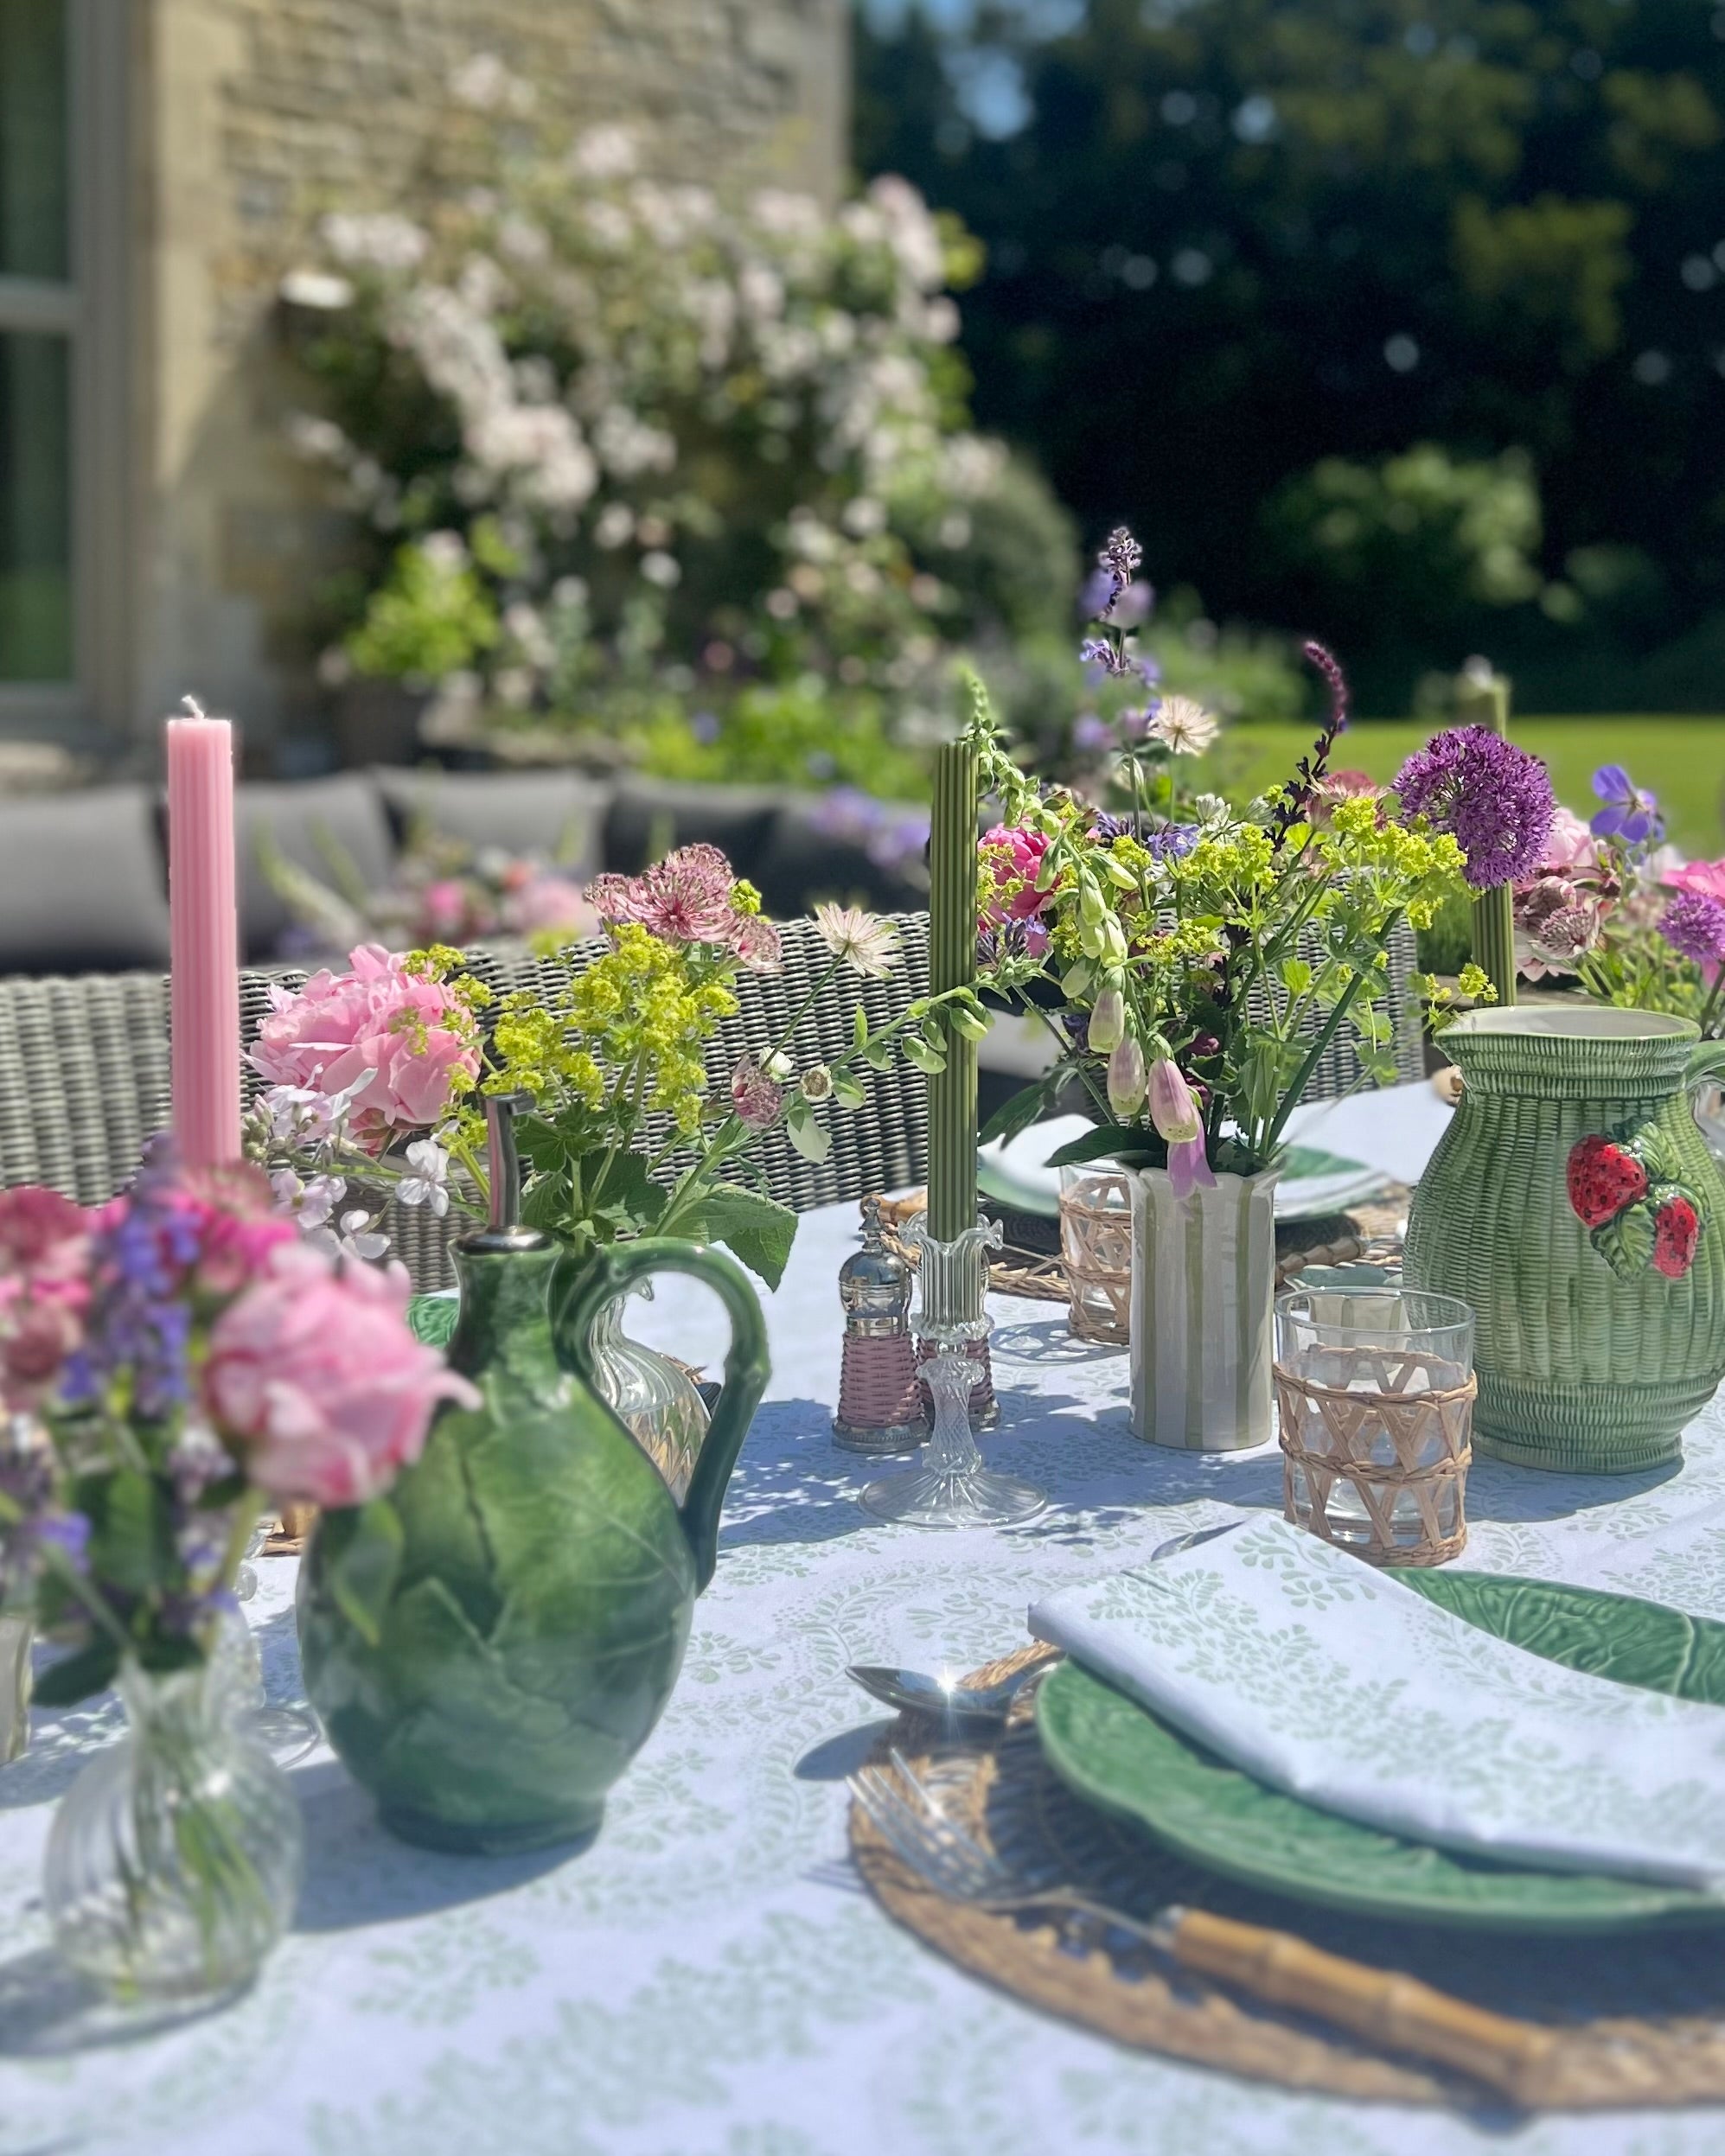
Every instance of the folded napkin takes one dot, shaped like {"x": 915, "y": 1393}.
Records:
{"x": 1332, "y": 1682}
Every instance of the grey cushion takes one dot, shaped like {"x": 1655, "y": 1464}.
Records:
{"x": 83, "y": 886}
{"x": 558, "y": 816}
{"x": 649, "y": 816}
{"x": 309, "y": 820}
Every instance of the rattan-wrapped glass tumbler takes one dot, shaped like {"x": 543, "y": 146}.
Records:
{"x": 1375, "y": 1390}
{"x": 1095, "y": 1249}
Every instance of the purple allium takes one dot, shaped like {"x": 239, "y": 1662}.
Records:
{"x": 1493, "y": 798}
{"x": 1694, "y": 926}
{"x": 1629, "y": 812}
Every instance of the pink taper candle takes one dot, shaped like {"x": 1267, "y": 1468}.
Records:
{"x": 205, "y": 992}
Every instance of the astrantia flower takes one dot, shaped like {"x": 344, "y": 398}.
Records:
{"x": 861, "y": 940}
{"x": 1694, "y": 926}
{"x": 1182, "y": 724}
{"x": 755, "y": 1097}
{"x": 1493, "y": 798}
{"x": 685, "y": 898}
{"x": 1629, "y": 812}
{"x": 754, "y": 944}
{"x": 1555, "y": 923}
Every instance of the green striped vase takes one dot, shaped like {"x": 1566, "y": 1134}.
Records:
{"x": 1203, "y": 1295}
{"x": 1591, "y": 1358}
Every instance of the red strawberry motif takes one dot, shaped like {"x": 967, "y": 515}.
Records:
{"x": 1603, "y": 1179}
{"x": 1677, "y": 1228}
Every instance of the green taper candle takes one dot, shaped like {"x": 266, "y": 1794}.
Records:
{"x": 1494, "y": 933}
{"x": 952, "y": 964}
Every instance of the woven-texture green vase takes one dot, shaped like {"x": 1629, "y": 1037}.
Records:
{"x": 1595, "y": 1343}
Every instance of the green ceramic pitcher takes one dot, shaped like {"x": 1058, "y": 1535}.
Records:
{"x": 536, "y": 1622}
{"x": 1573, "y": 1202}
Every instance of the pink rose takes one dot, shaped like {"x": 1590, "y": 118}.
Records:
{"x": 1707, "y": 878}
{"x": 411, "y": 1033}
{"x": 314, "y": 1374}
{"x": 1011, "y": 859}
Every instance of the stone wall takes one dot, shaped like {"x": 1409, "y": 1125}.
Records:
{"x": 255, "y": 115}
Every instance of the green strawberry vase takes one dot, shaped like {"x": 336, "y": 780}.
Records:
{"x": 490, "y": 1645}
{"x": 1573, "y": 1203}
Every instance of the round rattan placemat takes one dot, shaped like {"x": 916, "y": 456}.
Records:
{"x": 1644, "y": 2014}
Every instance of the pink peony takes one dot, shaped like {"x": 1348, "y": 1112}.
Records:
{"x": 411, "y": 1033}
{"x": 314, "y": 1376}
{"x": 1011, "y": 859}
{"x": 1705, "y": 878}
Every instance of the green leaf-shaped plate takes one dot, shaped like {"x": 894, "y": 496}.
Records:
{"x": 1125, "y": 1759}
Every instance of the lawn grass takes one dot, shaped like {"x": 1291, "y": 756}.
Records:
{"x": 1682, "y": 760}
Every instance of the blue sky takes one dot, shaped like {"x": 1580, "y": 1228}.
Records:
{"x": 989, "y": 86}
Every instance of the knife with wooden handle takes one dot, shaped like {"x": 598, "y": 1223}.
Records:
{"x": 1384, "y": 2005}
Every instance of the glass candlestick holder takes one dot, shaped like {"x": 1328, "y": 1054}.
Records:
{"x": 953, "y": 1489}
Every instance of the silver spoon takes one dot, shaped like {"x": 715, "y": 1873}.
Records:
{"x": 910, "y": 1690}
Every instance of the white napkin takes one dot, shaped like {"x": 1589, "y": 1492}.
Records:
{"x": 1332, "y": 1682}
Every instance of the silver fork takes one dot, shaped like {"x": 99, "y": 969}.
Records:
{"x": 957, "y": 1865}
{"x": 1384, "y": 2005}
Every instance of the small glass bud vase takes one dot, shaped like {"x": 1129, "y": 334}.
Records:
{"x": 16, "y": 1631}
{"x": 174, "y": 1860}
{"x": 880, "y": 1395}
{"x": 1095, "y": 1249}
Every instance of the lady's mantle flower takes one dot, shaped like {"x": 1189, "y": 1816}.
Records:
{"x": 1694, "y": 926}
{"x": 1629, "y": 812}
{"x": 861, "y": 941}
{"x": 1493, "y": 798}
{"x": 1181, "y": 724}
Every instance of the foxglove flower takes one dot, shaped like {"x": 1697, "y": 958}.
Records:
{"x": 1126, "y": 1077}
{"x": 1108, "y": 1021}
{"x": 1173, "y": 1110}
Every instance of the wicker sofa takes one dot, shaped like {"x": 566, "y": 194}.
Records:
{"x": 83, "y": 875}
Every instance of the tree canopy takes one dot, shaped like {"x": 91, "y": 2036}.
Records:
{"x": 1401, "y": 319}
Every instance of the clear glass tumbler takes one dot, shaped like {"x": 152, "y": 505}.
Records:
{"x": 1375, "y": 1391}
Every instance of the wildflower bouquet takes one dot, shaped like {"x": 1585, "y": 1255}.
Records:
{"x": 1612, "y": 905}
{"x": 169, "y": 1363}
{"x": 376, "y": 1073}
{"x": 1204, "y": 961}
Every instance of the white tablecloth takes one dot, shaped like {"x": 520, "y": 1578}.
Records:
{"x": 709, "y": 1979}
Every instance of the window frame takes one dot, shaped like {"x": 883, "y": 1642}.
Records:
{"x": 92, "y": 311}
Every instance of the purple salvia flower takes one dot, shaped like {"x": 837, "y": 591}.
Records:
{"x": 1311, "y": 770}
{"x": 1493, "y": 798}
{"x": 1174, "y": 842}
{"x": 1112, "y": 658}
{"x": 1105, "y": 828}
{"x": 1694, "y": 926}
